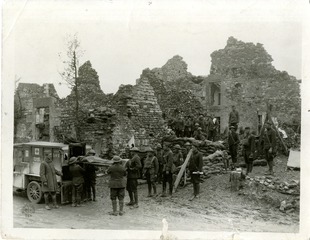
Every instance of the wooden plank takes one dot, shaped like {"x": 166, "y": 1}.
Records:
{"x": 182, "y": 170}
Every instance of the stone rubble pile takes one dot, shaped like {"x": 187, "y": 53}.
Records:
{"x": 292, "y": 187}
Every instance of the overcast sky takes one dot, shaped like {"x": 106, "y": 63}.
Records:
{"x": 123, "y": 38}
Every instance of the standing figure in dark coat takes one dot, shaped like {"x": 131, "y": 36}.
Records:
{"x": 159, "y": 156}
{"x": 269, "y": 146}
{"x": 213, "y": 128}
{"x": 195, "y": 168}
{"x": 150, "y": 170}
{"x": 167, "y": 170}
{"x": 49, "y": 181}
{"x": 187, "y": 127}
{"x": 179, "y": 126}
{"x": 201, "y": 122}
{"x": 248, "y": 144}
{"x": 77, "y": 174}
{"x": 233, "y": 142}
{"x": 234, "y": 118}
{"x": 90, "y": 178}
{"x": 133, "y": 167}
{"x": 117, "y": 185}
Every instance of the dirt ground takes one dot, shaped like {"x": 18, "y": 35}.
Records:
{"x": 217, "y": 209}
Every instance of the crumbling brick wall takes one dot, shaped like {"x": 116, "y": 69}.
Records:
{"x": 176, "y": 88}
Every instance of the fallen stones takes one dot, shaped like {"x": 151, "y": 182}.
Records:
{"x": 291, "y": 188}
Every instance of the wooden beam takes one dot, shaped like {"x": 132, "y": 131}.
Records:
{"x": 178, "y": 179}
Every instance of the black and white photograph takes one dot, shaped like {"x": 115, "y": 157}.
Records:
{"x": 154, "y": 120}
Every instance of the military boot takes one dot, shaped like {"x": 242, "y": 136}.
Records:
{"x": 154, "y": 189}
{"x": 136, "y": 205}
{"x": 131, "y": 199}
{"x": 114, "y": 206}
{"x": 121, "y": 207}
{"x": 55, "y": 201}
{"x": 47, "y": 207}
{"x": 149, "y": 190}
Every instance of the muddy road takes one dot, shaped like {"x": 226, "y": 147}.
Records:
{"x": 217, "y": 209}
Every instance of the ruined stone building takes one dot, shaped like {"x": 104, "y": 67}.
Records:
{"x": 241, "y": 74}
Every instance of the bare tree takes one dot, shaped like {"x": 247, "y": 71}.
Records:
{"x": 70, "y": 73}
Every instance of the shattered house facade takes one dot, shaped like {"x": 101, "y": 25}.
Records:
{"x": 241, "y": 74}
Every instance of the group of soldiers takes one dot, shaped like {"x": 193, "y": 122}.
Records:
{"x": 248, "y": 140}
{"x": 159, "y": 167}
{"x": 205, "y": 126}
{"x": 83, "y": 180}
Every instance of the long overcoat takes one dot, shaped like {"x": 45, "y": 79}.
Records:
{"x": 48, "y": 174}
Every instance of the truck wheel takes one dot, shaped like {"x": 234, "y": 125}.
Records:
{"x": 34, "y": 192}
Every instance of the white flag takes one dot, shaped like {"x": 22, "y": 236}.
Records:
{"x": 131, "y": 141}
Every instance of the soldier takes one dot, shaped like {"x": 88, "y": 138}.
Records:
{"x": 195, "y": 167}
{"x": 198, "y": 134}
{"x": 49, "y": 182}
{"x": 233, "y": 141}
{"x": 187, "y": 127}
{"x": 159, "y": 156}
{"x": 90, "y": 178}
{"x": 188, "y": 147}
{"x": 234, "y": 118}
{"x": 213, "y": 128}
{"x": 179, "y": 126}
{"x": 77, "y": 174}
{"x": 117, "y": 185}
{"x": 269, "y": 146}
{"x": 248, "y": 144}
{"x": 167, "y": 169}
{"x": 192, "y": 126}
{"x": 150, "y": 170}
{"x": 133, "y": 167}
{"x": 177, "y": 155}
{"x": 201, "y": 122}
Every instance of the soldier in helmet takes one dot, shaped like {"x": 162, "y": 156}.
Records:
{"x": 150, "y": 170}
{"x": 133, "y": 167}
{"x": 188, "y": 147}
{"x": 177, "y": 155}
{"x": 90, "y": 178}
{"x": 233, "y": 142}
{"x": 77, "y": 173}
{"x": 198, "y": 134}
{"x": 159, "y": 156}
{"x": 167, "y": 169}
{"x": 117, "y": 185}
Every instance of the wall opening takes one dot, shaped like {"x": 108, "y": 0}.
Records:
{"x": 215, "y": 94}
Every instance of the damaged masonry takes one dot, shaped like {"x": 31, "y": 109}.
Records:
{"x": 145, "y": 114}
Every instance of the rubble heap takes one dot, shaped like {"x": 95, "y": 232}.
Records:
{"x": 291, "y": 189}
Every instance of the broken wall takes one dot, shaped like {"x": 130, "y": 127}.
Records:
{"x": 249, "y": 81}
